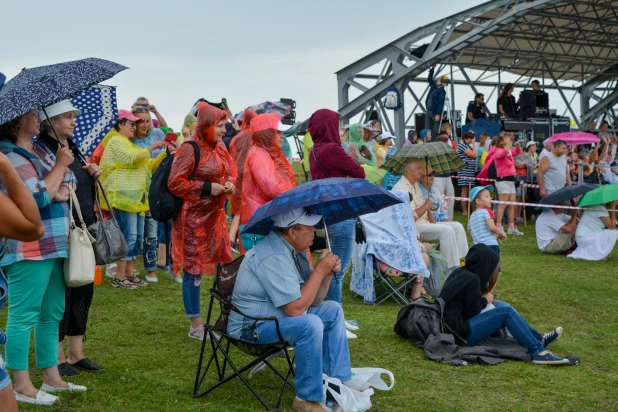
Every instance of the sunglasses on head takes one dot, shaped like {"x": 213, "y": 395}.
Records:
{"x": 140, "y": 109}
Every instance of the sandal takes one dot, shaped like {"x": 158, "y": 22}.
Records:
{"x": 119, "y": 283}
{"x": 138, "y": 283}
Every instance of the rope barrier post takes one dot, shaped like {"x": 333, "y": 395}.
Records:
{"x": 523, "y": 199}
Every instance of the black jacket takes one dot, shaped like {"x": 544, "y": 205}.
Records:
{"x": 463, "y": 288}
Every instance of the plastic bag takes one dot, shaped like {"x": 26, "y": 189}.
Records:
{"x": 350, "y": 400}
{"x": 365, "y": 378}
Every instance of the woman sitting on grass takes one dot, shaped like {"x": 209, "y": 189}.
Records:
{"x": 596, "y": 233}
{"x": 468, "y": 291}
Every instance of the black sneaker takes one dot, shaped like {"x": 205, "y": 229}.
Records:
{"x": 548, "y": 358}
{"x": 65, "y": 369}
{"x": 551, "y": 337}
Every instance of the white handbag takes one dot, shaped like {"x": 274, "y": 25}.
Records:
{"x": 80, "y": 266}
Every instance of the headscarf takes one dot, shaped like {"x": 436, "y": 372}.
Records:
{"x": 207, "y": 118}
{"x": 264, "y": 135}
{"x": 411, "y": 134}
{"x": 423, "y": 134}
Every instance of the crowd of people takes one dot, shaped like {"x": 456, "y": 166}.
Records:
{"x": 247, "y": 164}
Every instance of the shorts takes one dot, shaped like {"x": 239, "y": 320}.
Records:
{"x": 5, "y": 379}
{"x": 505, "y": 187}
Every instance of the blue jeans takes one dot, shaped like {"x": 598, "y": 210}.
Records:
{"x": 486, "y": 324}
{"x": 320, "y": 346}
{"x": 191, "y": 294}
{"x": 342, "y": 244}
{"x": 162, "y": 238}
{"x": 128, "y": 222}
{"x": 147, "y": 234}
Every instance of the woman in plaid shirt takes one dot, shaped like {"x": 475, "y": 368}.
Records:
{"x": 35, "y": 269}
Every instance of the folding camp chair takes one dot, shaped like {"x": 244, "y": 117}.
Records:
{"x": 222, "y": 291}
{"x": 395, "y": 287}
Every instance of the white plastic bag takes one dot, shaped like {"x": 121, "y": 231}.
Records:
{"x": 365, "y": 378}
{"x": 350, "y": 400}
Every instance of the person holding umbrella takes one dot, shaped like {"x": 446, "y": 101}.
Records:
{"x": 34, "y": 269}
{"x": 61, "y": 125}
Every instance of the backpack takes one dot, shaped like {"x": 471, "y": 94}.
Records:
{"x": 418, "y": 320}
{"x": 163, "y": 204}
{"x": 392, "y": 100}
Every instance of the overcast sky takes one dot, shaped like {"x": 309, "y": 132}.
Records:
{"x": 246, "y": 51}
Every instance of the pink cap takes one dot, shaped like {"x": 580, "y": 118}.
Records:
{"x": 127, "y": 115}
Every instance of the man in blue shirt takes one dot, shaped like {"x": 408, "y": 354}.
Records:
{"x": 276, "y": 279}
{"x": 435, "y": 101}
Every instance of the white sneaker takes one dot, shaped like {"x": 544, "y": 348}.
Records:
{"x": 151, "y": 280}
{"x": 351, "y": 325}
{"x": 197, "y": 333}
{"x": 515, "y": 232}
{"x": 41, "y": 398}
{"x": 71, "y": 388}
{"x": 350, "y": 335}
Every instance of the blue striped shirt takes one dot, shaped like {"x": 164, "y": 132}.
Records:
{"x": 478, "y": 228}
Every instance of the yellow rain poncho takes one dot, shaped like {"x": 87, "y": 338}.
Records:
{"x": 126, "y": 170}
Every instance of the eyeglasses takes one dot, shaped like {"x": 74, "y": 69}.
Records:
{"x": 140, "y": 109}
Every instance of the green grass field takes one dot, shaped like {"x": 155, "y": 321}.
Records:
{"x": 140, "y": 337}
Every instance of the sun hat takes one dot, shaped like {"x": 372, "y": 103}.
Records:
{"x": 127, "y": 115}
{"x": 385, "y": 136}
{"x": 63, "y": 106}
{"x": 296, "y": 217}
{"x": 478, "y": 189}
{"x": 530, "y": 143}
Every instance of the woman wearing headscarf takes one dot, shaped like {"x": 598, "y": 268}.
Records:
{"x": 473, "y": 315}
{"x": 200, "y": 240}
{"x": 412, "y": 138}
{"x": 239, "y": 148}
{"x": 34, "y": 269}
{"x": 267, "y": 172}
{"x": 425, "y": 136}
{"x": 328, "y": 159}
{"x": 78, "y": 300}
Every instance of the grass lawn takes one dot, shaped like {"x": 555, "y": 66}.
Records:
{"x": 140, "y": 337}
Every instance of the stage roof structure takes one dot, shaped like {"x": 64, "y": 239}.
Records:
{"x": 571, "y": 44}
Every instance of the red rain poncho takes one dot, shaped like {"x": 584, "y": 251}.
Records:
{"x": 199, "y": 232}
{"x": 239, "y": 148}
{"x": 267, "y": 172}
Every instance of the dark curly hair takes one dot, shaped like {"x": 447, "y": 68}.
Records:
{"x": 8, "y": 130}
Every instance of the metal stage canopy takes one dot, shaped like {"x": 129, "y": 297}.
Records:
{"x": 571, "y": 46}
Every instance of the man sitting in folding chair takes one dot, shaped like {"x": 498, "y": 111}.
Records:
{"x": 276, "y": 279}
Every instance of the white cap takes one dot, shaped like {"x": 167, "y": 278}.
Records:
{"x": 283, "y": 127}
{"x": 296, "y": 216}
{"x": 530, "y": 143}
{"x": 386, "y": 135}
{"x": 61, "y": 107}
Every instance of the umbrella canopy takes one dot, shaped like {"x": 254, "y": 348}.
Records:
{"x": 573, "y": 138}
{"x": 99, "y": 114}
{"x": 280, "y": 108}
{"x": 336, "y": 199}
{"x": 43, "y": 86}
{"x": 567, "y": 193}
{"x": 439, "y": 156}
{"x": 373, "y": 174}
{"x": 599, "y": 196}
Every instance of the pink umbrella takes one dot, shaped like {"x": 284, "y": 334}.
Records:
{"x": 573, "y": 138}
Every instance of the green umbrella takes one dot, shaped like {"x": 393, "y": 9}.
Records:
{"x": 602, "y": 195}
{"x": 373, "y": 174}
{"x": 439, "y": 156}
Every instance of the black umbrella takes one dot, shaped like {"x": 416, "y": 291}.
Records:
{"x": 567, "y": 193}
{"x": 43, "y": 86}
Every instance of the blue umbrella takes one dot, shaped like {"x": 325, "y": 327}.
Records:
{"x": 99, "y": 114}
{"x": 336, "y": 199}
{"x": 46, "y": 85}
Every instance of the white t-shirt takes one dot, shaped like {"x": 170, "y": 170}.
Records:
{"x": 590, "y": 223}
{"x": 548, "y": 227}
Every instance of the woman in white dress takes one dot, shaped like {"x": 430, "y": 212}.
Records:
{"x": 596, "y": 233}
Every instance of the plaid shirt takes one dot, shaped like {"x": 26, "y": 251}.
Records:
{"x": 55, "y": 216}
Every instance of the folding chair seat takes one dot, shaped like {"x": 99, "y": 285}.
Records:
{"x": 220, "y": 357}
{"x": 395, "y": 287}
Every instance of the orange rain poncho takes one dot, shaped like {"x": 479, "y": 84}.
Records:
{"x": 239, "y": 148}
{"x": 267, "y": 172}
{"x": 199, "y": 232}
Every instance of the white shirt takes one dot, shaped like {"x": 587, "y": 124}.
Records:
{"x": 418, "y": 200}
{"x": 590, "y": 223}
{"x": 548, "y": 227}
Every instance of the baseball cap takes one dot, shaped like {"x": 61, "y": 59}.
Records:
{"x": 296, "y": 216}
{"x": 478, "y": 189}
{"x": 614, "y": 164}
{"x": 63, "y": 106}
{"x": 386, "y": 136}
{"x": 530, "y": 143}
{"x": 283, "y": 127}
{"x": 127, "y": 115}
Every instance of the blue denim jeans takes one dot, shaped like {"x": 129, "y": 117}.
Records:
{"x": 162, "y": 238}
{"x": 486, "y": 324}
{"x": 147, "y": 241}
{"x": 320, "y": 346}
{"x": 128, "y": 222}
{"x": 191, "y": 294}
{"x": 342, "y": 244}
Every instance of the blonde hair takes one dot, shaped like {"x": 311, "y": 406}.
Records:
{"x": 446, "y": 126}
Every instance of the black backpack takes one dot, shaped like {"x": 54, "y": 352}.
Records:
{"x": 163, "y": 204}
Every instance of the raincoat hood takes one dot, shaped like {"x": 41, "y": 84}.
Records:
{"x": 207, "y": 118}
{"x": 324, "y": 127}
{"x": 482, "y": 261}
{"x": 247, "y": 116}
{"x": 356, "y": 135}
{"x": 190, "y": 122}
{"x": 264, "y": 133}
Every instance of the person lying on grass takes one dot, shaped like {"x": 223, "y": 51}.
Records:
{"x": 469, "y": 290}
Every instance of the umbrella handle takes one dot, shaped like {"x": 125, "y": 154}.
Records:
{"x": 81, "y": 157}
